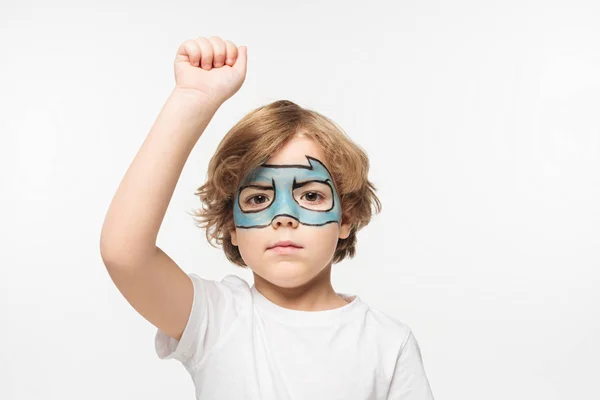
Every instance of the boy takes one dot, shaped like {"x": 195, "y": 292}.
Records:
{"x": 285, "y": 195}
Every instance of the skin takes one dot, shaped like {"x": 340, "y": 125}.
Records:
{"x": 208, "y": 71}
{"x": 299, "y": 281}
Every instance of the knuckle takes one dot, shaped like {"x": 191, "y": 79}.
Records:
{"x": 216, "y": 40}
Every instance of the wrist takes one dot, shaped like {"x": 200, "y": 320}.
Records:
{"x": 196, "y": 97}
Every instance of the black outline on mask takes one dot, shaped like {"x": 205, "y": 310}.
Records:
{"x": 295, "y": 185}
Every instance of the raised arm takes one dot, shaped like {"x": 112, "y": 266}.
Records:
{"x": 207, "y": 73}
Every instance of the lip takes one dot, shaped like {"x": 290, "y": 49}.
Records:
{"x": 285, "y": 243}
{"x": 285, "y": 247}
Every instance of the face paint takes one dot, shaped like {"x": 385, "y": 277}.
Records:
{"x": 284, "y": 187}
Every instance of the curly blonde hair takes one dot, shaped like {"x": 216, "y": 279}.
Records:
{"x": 253, "y": 140}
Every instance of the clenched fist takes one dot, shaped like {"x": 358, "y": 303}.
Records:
{"x": 213, "y": 67}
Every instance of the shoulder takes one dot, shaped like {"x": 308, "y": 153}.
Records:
{"x": 230, "y": 289}
{"x": 391, "y": 330}
{"x": 236, "y": 282}
{"x": 233, "y": 282}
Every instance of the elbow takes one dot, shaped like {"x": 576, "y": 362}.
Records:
{"x": 120, "y": 253}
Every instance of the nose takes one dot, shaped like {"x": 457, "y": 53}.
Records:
{"x": 285, "y": 220}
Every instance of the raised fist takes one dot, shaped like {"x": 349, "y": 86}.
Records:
{"x": 213, "y": 67}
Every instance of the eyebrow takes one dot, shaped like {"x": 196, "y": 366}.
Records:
{"x": 319, "y": 181}
{"x": 256, "y": 186}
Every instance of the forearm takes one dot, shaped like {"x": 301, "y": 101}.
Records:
{"x": 138, "y": 208}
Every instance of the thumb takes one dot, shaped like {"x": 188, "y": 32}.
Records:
{"x": 241, "y": 61}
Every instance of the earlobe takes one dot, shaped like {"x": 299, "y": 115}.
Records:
{"x": 233, "y": 235}
{"x": 344, "y": 231}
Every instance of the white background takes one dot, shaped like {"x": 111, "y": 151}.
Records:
{"x": 481, "y": 120}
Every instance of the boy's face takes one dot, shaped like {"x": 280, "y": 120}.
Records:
{"x": 290, "y": 198}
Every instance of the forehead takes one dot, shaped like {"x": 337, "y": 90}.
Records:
{"x": 293, "y": 154}
{"x": 286, "y": 174}
{"x": 296, "y": 150}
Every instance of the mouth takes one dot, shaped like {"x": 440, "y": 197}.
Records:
{"x": 285, "y": 247}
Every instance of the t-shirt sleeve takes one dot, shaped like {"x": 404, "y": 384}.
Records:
{"x": 216, "y": 309}
{"x": 410, "y": 381}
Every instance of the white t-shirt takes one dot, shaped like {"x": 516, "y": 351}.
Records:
{"x": 237, "y": 344}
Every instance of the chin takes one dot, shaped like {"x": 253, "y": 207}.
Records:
{"x": 286, "y": 274}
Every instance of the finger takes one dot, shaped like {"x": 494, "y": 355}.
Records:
{"x": 232, "y": 52}
{"x": 206, "y": 48}
{"x": 189, "y": 50}
{"x": 242, "y": 61}
{"x": 219, "y": 51}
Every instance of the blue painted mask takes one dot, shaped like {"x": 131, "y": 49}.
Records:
{"x": 285, "y": 190}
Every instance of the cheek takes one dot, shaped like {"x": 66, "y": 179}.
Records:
{"x": 322, "y": 239}
{"x": 251, "y": 244}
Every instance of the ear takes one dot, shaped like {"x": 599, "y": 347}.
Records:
{"x": 233, "y": 234}
{"x": 344, "y": 229}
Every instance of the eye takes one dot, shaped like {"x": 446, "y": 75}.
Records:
{"x": 312, "y": 197}
{"x": 256, "y": 198}
{"x": 259, "y": 199}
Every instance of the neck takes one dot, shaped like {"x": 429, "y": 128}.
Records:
{"x": 315, "y": 295}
